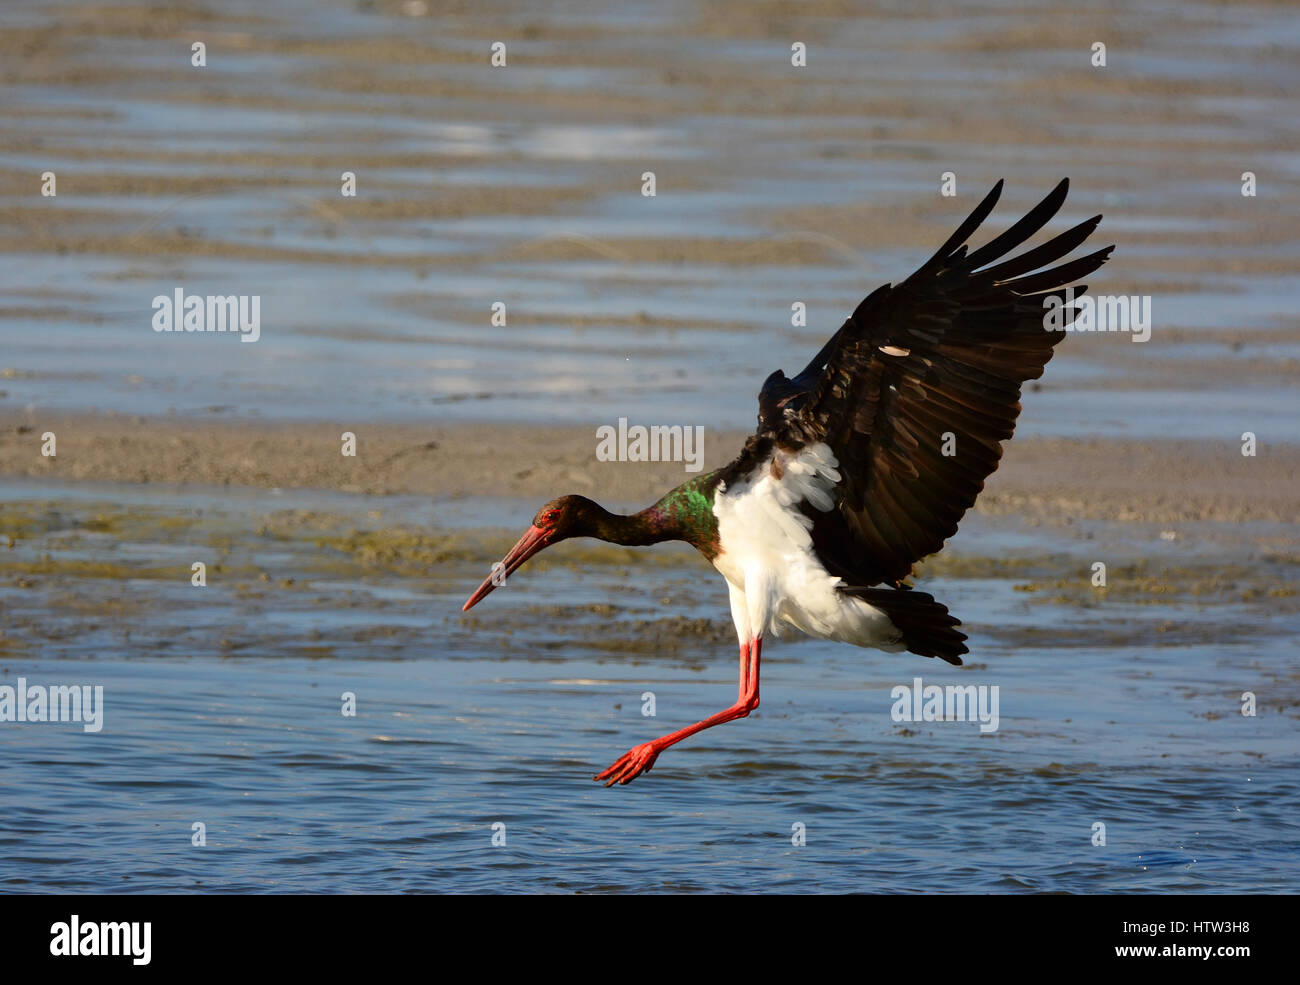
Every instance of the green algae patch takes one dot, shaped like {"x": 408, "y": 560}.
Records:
{"x": 50, "y": 567}
{"x": 403, "y": 551}
{"x": 950, "y": 565}
{"x": 79, "y": 527}
{"x": 1147, "y": 583}
{"x": 11, "y": 647}
{"x": 345, "y": 583}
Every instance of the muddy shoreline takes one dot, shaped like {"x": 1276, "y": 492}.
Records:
{"x": 1047, "y": 479}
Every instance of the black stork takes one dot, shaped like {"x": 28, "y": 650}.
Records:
{"x": 864, "y": 462}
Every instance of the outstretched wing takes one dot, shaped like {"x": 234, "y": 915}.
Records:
{"x": 917, "y": 390}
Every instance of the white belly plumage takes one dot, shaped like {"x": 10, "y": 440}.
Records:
{"x": 768, "y": 560}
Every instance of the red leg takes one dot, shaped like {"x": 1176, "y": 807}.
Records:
{"x": 640, "y": 759}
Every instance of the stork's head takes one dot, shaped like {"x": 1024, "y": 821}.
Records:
{"x": 560, "y": 519}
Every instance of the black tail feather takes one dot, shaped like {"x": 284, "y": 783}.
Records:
{"x": 927, "y": 628}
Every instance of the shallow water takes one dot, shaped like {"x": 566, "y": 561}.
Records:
{"x": 222, "y": 705}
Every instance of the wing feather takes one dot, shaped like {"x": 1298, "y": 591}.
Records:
{"x": 944, "y": 353}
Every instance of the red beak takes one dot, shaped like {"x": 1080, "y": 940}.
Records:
{"x": 529, "y": 544}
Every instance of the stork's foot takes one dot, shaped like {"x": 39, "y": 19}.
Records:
{"x": 631, "y": 764}
{"x": 640, "y": 759}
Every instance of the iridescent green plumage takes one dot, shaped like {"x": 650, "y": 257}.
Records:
{"x": 688, "y": 510}
{"x": 684, "y": 513}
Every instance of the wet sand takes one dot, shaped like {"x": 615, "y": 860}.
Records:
{"x": 1052, "y": 480}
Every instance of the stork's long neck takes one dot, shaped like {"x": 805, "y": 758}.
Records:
{"x": 685, "y": 513}
{"x": 650, "y": 526}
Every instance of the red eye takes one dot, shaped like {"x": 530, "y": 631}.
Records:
{"x": 550, "y": 517}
